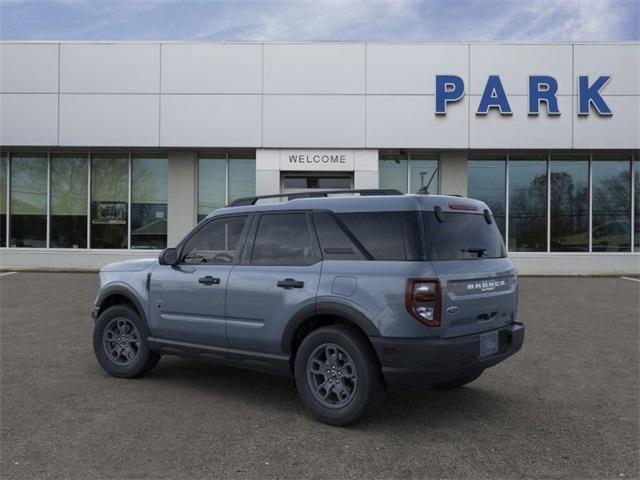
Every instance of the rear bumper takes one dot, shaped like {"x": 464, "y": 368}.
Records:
{"x": 418, "y": 363}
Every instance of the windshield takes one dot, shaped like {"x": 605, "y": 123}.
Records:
{"x": 462, "y": 236}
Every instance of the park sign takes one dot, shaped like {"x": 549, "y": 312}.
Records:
{"x": 542, "y": 89}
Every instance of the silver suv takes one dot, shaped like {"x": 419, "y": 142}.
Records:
{"x": 347, "y": 293}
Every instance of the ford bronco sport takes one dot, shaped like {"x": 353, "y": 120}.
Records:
{"x": 348, "y": 295}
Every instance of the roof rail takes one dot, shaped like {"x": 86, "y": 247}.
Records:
{"x": 367, "y": 192}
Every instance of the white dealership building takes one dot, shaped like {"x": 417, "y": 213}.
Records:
{"x": 111, "y": 151}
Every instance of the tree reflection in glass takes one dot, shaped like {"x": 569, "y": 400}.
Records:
{"x": 486, "y": 182}
{"x": 528, "y": 204}
{"x": 109, "y": 194}
{"x": 569, "y": 203}
{"x": 611, "y": 231}
{"x": 149, "y": 195}
{"x": 28, "y": 201}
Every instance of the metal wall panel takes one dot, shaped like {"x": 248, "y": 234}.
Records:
{"x": 621, "y": 130}
{"x": 313, "y": 121}
{"x": 109, "y": 68}
{"x": 521, "y": 130}
{"x": 314, "y": 68}
{"x": 109, "y": 120}
{"x": 408, "y": 121}
{"x": 211, "y": 120}
{"x": 28, "y": 119}
{"x": 622, "y": 62}
{"x": 514, "y": 64}
{"x": 211, "y": 68}
{"x": 411, "y": 69}
{"x": 28, "y": 68}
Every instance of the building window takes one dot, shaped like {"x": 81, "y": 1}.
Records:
{"x": 109, "y": 198}
{"x": 242, "y": 176}
{"x": 224, "y": 177}
{"x": 569, "y": 209}
{"x": 68, "y": 208}
{"x": 587, "y": 206}
{"x": 149, "y": 194}
{"x": 527, "y": 203}
{"x": 486, "y": 176}
{"x": 408, "y": 172}
{"x": 212, "y": 174}
{"x": 28, "y": 208}
{"x": 4, "y": 165}
{"x": 636, "y": 202}
{"x": 611, "y": 186}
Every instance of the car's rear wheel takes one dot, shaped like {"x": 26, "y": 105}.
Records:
{"x": 338, "y": 376}
{"x": 120, "y": 343}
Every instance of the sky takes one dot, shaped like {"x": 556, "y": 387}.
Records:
{"x": 321, "y": 20}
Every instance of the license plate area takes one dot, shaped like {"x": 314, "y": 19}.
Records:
{"x": 489, "y": 344}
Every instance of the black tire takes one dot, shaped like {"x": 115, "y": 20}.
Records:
{"x": 458, "y": 382}
{"x": 136, "y": 358}
{"x": 362, "y": 371}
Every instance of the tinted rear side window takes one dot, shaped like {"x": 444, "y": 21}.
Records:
{"x": 334, "y": 242}
{"x": 381, "y": 233}
{"x": 283, "y": 239}
{"x": 462, "y": 236}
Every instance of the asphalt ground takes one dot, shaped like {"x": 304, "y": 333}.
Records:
{"x": 566, "y": 406}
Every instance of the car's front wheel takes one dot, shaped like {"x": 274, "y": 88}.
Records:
{"x": 120, "y": 343}
{"x": 338, "y": 376}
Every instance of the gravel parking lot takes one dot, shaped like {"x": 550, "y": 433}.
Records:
{"x": 566, "y": 406}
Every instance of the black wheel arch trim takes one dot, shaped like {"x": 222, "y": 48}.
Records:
{"x": 119, "y": 289}
{"x": 326, "y": 308}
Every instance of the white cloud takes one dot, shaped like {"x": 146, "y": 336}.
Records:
{"x": 304, "y": 20}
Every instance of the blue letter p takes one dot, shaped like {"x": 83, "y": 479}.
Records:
{"x": 449, "y": 88}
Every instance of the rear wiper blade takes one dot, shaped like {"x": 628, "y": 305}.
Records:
{"x": 479, "y": 251}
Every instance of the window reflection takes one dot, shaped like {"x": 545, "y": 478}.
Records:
{"x": 212, "y": 174}
{"x": 393, "y": 170}
{"x": 486, "y": 182}
{"x": 417, "y": 170}
{"x": 224, "y": 178}
{"x": 423, "y": 172}
{"x": 28, "y": 201}
{"x": 242, "y": 176}
{"x": 569, "y": 203}
{"x": 528, "y": 203}
{"x": 3, "y": 200}
{"x": 68, "y": 201}
{"x": 611, "y": 230}
{"x": 636, "y": 190}
{"x": 149, "y": 195}
{"x": 109, "y": 197}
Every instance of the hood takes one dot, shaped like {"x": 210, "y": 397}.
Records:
{"x": 136, "y": 265}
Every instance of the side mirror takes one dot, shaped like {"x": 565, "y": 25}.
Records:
{"x": 169, "y": 256}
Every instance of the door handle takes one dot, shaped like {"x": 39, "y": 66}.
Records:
{"x": 209, "y": 280}
{"x": 290, "y": 283}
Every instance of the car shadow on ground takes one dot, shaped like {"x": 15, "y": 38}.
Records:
{"x": 269, "y": 393}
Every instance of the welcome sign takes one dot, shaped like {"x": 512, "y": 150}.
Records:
{"x": 317, "y": 160}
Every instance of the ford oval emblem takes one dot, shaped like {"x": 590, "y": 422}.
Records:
{"x": 452, "y": 309}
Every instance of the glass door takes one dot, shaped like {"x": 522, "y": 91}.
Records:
{"x": 297, "y": 183}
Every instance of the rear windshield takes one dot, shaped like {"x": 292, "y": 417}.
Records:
{"x": 461, "y": 236}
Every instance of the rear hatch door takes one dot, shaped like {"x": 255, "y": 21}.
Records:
{"x": 478, "y": 282}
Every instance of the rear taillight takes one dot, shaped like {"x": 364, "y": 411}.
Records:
{"x": 422, "y": 300}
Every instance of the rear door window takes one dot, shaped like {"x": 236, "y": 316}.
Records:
{"x": 381, "y": 233}
{"x": 462, "y": 236}
{"x": 284, "y": 239}
{"x": 334, "y": 241}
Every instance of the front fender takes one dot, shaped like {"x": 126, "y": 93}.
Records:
{"x": 125, "y": 290}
